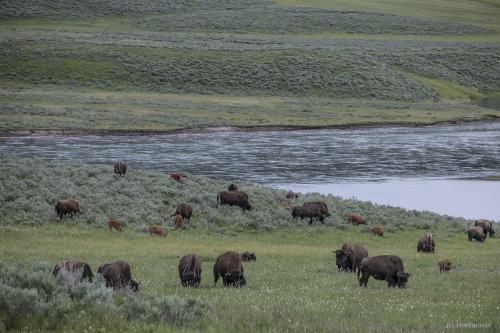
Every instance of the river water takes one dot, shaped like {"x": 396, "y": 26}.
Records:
{"x": 421, "y": 168}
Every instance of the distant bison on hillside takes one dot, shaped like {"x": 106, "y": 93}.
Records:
{"x": 486, "y": 225}
{"x": 234, "y": 198}
{"x": 64, "y": 207}
{"x": 120, "y": 168}
{"x": 308, "y": 211}
{"x": 290, "y": 195}
{"x": 74, "y": 266}
{"x": 190, "y": 270}
{"x": 185, "y": 210}
{"x": 114, "y": 224}
{"x": 355, "y": 219}
{"x": 177, "y": 176}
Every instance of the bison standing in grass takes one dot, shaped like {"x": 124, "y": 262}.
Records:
{"x": 178, "y": 221}
{"x": 355, "y": 219}
{"x": 64, "y": 207}
{"x": 229, "y": 266}
{"x": 378, "y": 231}
{"x": 477, "y": 233}
{"x": 190, "y": 270}
{"x": 486, "y": 225}
{"x": 234, "y": 198}
{"x": 309, "y": 212}
{"x": 426, "y": 243}
{"x": 185, "y": 210}
{"x": 385, "y": 267}
{"x": 118, "y": 275}
{"x": 120, "y": 168}
{"x": 158, "y": 230}
{"x": 350, "y": 256}
{"x": 444, "y": 265}
{"x": 74, "y": 266}
{"x": 114, "y": 224}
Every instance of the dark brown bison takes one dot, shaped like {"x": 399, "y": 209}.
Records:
{"x": 245, "y": 256}
{"x": 114, "y": 224}
{"x": 120, "y": 168}
{"x": 158, "y": 230}
{"x": 444, "y": 265}
{"x": 355, "y": 219}
{"x": 177, "y": 176}
{"x": 290, "y": 195}
{"x": 486, "y": 225}
{"x": 477, "y": 233}
{"x": 178, "y": 221}
{"x": 64, "y": 207}
{"x": 322, "y": 206}
{"x": 74, "y": 266}
{"x": 309, "y": 212}
{"x": 229, "y": 266}
{"x": 190, "y": 270}
{"x": 185, "y": 210}
{"x": 426, "y": 243}
{"x": 378, "y": 231}
{"x": 118, "y": 275}
{"x": 232, "y": 187}
{"x": 385, "y": 267}
{"x": 349, "y": 256}
{"x": 234, "y": 198}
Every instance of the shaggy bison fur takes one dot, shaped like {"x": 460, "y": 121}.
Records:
{"x": 426, "y": 243}
{"x": 158, "y": 230}
{"x": 118, "y": 275}
{"x": 477, "y": 233}
{"x": 190, "y": 270}
{"x": 120, "y": 168}
{"x": 385, "y": 267}
{"x": 321, "y": 205}
{"x": 75, "y": 266}
{"x": 309, "y": 212}
{"x": 64, "y": 207}
{"x": 234, "y": 198}
{"x": 349, "y": 256}
{"x": 232, "y": 187}
{"x": 486, "y": 225}
{"x": 229, "y": 266}
{"x": 185, "y": 210}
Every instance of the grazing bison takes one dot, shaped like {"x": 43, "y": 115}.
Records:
{"x": 177, "y": 176}
{"x": 229, "y": 266}
{"x": 190, "y": 270}
{"x": 444, "y": 265}
{"x": 156, "y": 229}
{"x": 245, "y": 256}
{"x": 290, "y": 195}
{"x": 118, "y": 275}
{"x": 385, "y": 267}
{"x": 426, "y": 243}
{"x": 310, "y": 212}
{"x": 120, "y": 168}
{"x": 178, "y": 221}
{"x": 64, "y": 207}
{"x": 322, "y": 206}
{"x": 185, "y": 210}
{"x": 477, "y": 233}
{"x": 378, "y": 231}
{"x": 355, "y": 219}
{"x": 486, "y": 225}
{"x": 349, "y": 257}
{"x": 234, "y": 198}
{"x": 114, "y": 224}
{"x": 73, "y": 266}
{"x": 232, "y": 187}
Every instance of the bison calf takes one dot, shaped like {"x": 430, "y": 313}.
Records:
{"x": 378, "y": 231}
{"x": 118, "y": 275}
{"x": 355, "y": 219}
{"x": 229, "y": 266}
{"x": 444, "y": 265}
{"x": 120, "y": 168}
{"x": 177, "y": 176}
{"x": 190, "y": 270}
{"x": 75, "y": 266}
{"x": 64, "y": 207}
{"x": 178, "y": 221}
{"x": 114, "y": 224}
{"x": 158, "y": 230}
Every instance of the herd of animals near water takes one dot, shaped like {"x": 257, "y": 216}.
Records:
{"x": 229, "y": 265}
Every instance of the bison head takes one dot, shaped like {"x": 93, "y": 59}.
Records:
{"x": 189, "y": 279}
{"x": 341, "y": 259}
{"x": 402, "y": 279}
{"x": 234, "y": 278}
{"x": 134, "y": 286}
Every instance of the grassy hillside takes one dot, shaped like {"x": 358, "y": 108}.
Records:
{"x": 293, "y": 286}
{"x": 189, "y": 64}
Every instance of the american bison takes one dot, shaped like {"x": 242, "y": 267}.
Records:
{"x": 229, "y": 266}
{"x": 158, "y": 230}
{"x": 322, "y": 206}
{"x": 118, "y": 275}
{"x": 477, "y": 233}
{"x": 426, "y": 243}
{"x": 310, "y": 212}
{"x": 114, "y": 224}
{"x": 486, "y": 225}
{"x": 234, "y": 198}
{"x": 349, "y": 257}
{"x": 444, "y": 265}
{"x": 245, "y": 256}
{"x": 120, "y": 168}
{"x": 75, "y": 266}
{"x": 385, "y": 267}
{"x": 185, "y": 210}
{"x": 355, "y": 219}
{"x": 290, "y": 195}
{"x": 378, "y": 231}
{"x": 178, "y": 221}
{"x": 232, "y": 187}
{"x": 190, "y": 270}
{"x": 177, "y": 176}
{"x": 64, "y": 207}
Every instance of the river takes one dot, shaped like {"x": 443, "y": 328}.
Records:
{"x": 422, "y": 168}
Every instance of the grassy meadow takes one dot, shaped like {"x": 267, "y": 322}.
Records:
{"x": 293, "y": 286}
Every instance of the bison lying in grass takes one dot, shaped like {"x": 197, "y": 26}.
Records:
{"x": 190, "y": 270}
{"x": 74, "y": 266}
{"x": 229, "y": 266}
{"x": 118, "y": 275}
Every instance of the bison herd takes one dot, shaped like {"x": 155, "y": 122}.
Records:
{"x": 229, "y": 265}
